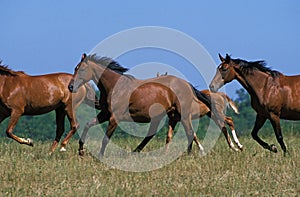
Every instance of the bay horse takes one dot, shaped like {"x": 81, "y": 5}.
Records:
{"x": 125, "y": 98}
{"x": 220, "y": 101}
{"x": 274, "y": 96}
{"x": 22, "y": 94}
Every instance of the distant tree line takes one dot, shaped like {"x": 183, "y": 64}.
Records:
{"x": 43, "y": 127}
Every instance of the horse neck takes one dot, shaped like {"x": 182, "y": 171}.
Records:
{"x": 253, "y": 83}
{"x": 2, "y": 84}
{"x": 104, "y": 77}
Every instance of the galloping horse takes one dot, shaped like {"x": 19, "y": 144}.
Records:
{"x": 125, "y": 98}
{"x": 219, "y": 102}
{"x": 273, "y": 95}
{"x": 22, "y": 94}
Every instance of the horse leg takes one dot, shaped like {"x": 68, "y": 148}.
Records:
{"x": 187, "y": 124}
{"x": 74, "y": 125}
{"x": 219, "y": 120}
{"x": 60, "y": 127}
{"x": 229, "y": 122}
{"x": 88, "y": 125}
{"x": 101, "y": 117}
{"x": 112, "y": 125}
{"x": 151, "y": 132}
{"x": 275, "y": 121}
{"x": 259, "y": 122}
{"x": 228, "y": 139}
{"x": 172, "y": 124}
{"x": 15, "y": 116}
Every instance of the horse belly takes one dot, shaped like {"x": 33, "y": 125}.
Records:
{"x": 29, "y": 110}
{"x": 290, "y": 115}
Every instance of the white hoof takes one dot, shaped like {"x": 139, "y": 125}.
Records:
{"x": 63, "y": 149}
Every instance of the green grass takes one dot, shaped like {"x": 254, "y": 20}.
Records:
{"x": 27, "y": 171}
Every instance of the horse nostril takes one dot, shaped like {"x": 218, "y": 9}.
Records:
{"x": 71, "y": 88}
{"x": 211, "y": 87}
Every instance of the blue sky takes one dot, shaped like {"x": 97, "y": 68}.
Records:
{"x": 42, "y": 37}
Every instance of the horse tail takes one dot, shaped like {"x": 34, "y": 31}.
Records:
{"x": 231, "y": 104}
{"x": 206, "y": 99}
{"x": 91, "y": 98}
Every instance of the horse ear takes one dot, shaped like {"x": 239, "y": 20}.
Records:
{"x": 83, "y": 56}
{"x": 227, "y": 58}
{"x": 221, "y": 58}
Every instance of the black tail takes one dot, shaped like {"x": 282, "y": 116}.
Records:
{"x": 206, "y": 99}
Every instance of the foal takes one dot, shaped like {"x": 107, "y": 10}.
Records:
{"x": 219, "y": 102}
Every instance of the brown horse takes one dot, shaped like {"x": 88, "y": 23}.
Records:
{"x": 125, "y": 98}
{"x": 22, "y": 94}
{"x": 273, "y": 95}
{"x": 219, "y": 103}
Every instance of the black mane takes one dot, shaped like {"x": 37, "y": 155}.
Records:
{"x": 248, "y": 67}
{"x": 107, "y": 62}
{"x": 5, "y": 71}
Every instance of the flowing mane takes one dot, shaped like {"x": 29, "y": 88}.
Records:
{"x": 4, "y": 70}
{"x": 107, "y": 62}
{"x": 248, "y": 67}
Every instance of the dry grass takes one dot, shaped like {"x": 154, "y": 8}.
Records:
{"x": 27, "y": 171}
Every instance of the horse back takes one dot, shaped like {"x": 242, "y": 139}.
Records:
{"x": 284, "y": 97}
{"x": 36, "y": 94}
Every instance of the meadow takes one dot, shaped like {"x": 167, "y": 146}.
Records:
{"x": 27, "y": 171}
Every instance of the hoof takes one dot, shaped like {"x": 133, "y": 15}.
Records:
{"x": 136, "y": 151}
{"x": 202, "y": 153}
{"x": 29, "y": 142}
{"x": 63, "y": 149}
{"x": 241, "y": 148}
{"x": 273, "y": 148}
{"x": 81, "y": 152}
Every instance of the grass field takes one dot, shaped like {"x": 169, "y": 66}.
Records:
{"x": 27, "y": 171}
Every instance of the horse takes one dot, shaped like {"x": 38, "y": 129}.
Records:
{"x": 125, "y": 98}
{"x": 23, "y": 94}
{"x": 274, "y": 96}
{"x": 220, "y": 101}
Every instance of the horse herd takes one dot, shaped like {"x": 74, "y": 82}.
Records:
{"x": 125, "y": 98}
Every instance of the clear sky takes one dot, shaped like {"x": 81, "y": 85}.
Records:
{"x": 48, "y": 36}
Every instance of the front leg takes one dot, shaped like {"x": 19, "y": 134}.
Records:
{"x": 112, "y": 125}
{"x": 275, "y": 121}
{"x": 101, "y": 117}
{"x": 151, "y": 132}
{"x": 259, "y": 122}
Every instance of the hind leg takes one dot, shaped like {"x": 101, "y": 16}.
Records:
{"x": 74, "y": 125}
{"x": 60, "y": 127}
{"x": 187, "y": 124}
{"x": 15, "y": 116}
{"x": 228, "y": 139}
{"x": 172, "y": 124}
{"x": 219, "y": 119}
{"x": 229, "y": 122}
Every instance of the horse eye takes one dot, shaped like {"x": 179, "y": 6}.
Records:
{"x": 224, "y": 69}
